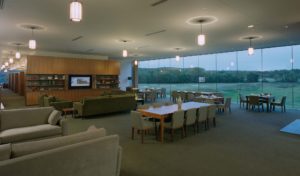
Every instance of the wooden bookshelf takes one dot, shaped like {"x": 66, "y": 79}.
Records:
{"x": 107, "y": 81}
{"x": 49, "y": 75}
{"x": 42, "y": 82}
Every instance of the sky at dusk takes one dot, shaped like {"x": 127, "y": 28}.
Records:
{"x": 278, "y": 58}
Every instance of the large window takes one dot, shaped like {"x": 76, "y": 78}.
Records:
{"x": 270, "y": 70}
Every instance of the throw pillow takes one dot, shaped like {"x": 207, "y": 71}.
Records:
{"x": 54, "y": 117}
{"x": 92, "y": 128}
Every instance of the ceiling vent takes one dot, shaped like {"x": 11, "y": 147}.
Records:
{"x": 76, "y": 38}
{"x": 156, "y": 32}
{"x": 1, "y": 4}
{"x": 158, "y": 3}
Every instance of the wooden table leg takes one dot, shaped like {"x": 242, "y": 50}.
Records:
{"x": 161, "y": 130}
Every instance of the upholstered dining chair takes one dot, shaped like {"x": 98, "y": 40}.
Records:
{"x": 211, "y": 116}
{"x": 255, "y": 101}
{"x": 138, "y": 122}
{"x": 202, "y": 117}
{"x": 190, "y": 96}
{"x": 226, "y": 106}
{"x": 174, "y": 96}
{"x": 177, "y": 122}
{"x": 281, "y": 104}
{"x": 243, "y": 100}
{"x": 190, "y": 119}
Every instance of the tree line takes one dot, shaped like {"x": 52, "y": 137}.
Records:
{"x": 191, "y": 75}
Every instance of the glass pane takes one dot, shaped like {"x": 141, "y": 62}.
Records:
{"x": 228, "y": 80}
{"x": 207, "y": 73}
{"x": 249, "y": 69}
{"x": 278, "y": 76}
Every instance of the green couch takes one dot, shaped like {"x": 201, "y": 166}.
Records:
{"x": 58, "y": 104}
{"x": 105, "y": 104}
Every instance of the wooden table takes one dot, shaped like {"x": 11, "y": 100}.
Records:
{"x": 165, "y": 111}
{"x": 213, "y": 99}
{"x": 264, "y": 98}
{"x": 67, "y": 111}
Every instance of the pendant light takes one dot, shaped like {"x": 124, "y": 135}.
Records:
{"x": 18, "y": 54}
{"x": 5, "y": 70}
{"x": 75, "y": 11}
{"x": 32, "y": 41}
{"x": 177, "y": 57}
{"x": 11, "y": 60}
{"x": 201, "y": 37}
{"x": 124, "y": 52}
{"x": 136, "y": 62}
{"x": 250, "y": 49}
{"x": 6, "y": 64}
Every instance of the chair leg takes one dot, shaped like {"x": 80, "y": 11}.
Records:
{"x": 207, "y": 123}
{"x": 142, "y": 136}
{"x": 194, "y": 128}
{"x": 197, "y": 123}
{"x": 172, "y": 134}
{"x": 185, "y": 132}
{"x": 182, "y": 132}
{"x": 132, "y": 133}
{"x": 214, "y": 122}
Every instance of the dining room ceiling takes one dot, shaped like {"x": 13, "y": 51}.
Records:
{"x": 153, "y": 28}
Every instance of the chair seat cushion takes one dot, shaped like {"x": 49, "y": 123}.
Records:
{"x": 28, "y": 133}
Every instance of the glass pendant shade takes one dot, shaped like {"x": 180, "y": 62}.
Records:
{"x": 250, "y": 51}
{"x": 201, "y": 39}
{"x": 6, "y": 63}
{"x": 5, "y": 70}
{"x": 18, "y": 55}
{"x": 177, "y": 58}
{"x": 135, "y": 62}
{"x": 11, "y": 60}
{"x": 76, "y": 11}
{"x": 32, "y": 44}
{"x": 125, "y": 53}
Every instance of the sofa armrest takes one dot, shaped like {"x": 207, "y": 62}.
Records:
{"x": 64, "y": 125}
{"x": 78, "y": 106}
{"x": 119, "y": 161}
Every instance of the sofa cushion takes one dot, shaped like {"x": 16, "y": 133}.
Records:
{"x": 54, "y": 117}
{"x": 5, "y": 151}
{"x": 28, "y": 133}
{"x": 16, "y": 118}
{"x": 25, "y": 148}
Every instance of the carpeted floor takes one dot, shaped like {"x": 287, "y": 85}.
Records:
{"x": 244, "y": 143}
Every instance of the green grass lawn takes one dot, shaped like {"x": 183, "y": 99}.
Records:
{"x": 291, "y": 90}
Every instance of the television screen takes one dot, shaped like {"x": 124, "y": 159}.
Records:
{"x": 80, "y": 81}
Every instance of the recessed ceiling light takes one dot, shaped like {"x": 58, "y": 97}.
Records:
{"x": 251, "y": 26}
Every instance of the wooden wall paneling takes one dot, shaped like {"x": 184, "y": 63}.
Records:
{"x": 114, "y": 68}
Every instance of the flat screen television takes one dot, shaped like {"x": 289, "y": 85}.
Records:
{"x": 80, "y": 81}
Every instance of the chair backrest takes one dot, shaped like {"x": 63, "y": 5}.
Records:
{"x": 136, "y": 120}
{"x": 190, "y": 96}
{"x": 143, "y": 106}
{"x": 156, "y": 105}
{"x": 253, "y": 100}
{"x": 283, "y": 100}
{"x": 191, "y": 116}
{"x": 163, "y": 90}
{"x": 211, "y": 112}
{"x": 178, "y": 119}
{"x": 183, "y": 96}
{"x": 242, "y": 97}
{"x": 168, "y": 103}
{"x": 202, "y": 114}
{"x": 227, "y": 102}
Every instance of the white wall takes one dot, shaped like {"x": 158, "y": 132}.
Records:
{"x": 125, "y": 72}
